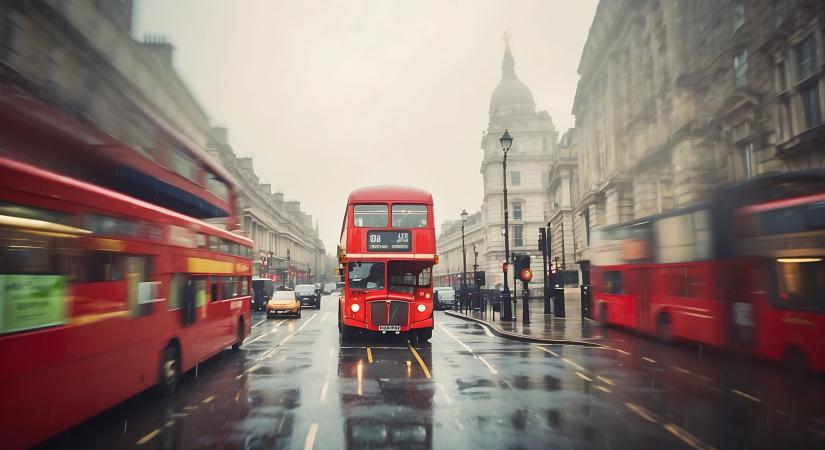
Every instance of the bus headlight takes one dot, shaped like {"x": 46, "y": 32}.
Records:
{"x": 421, "y": 308}
{"x": 355, "y": 307}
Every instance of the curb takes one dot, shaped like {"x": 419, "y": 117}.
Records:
{"x": 520, "y": 337}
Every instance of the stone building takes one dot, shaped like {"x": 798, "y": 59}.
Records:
{"x": 79, "y": 58}
{"x": 678, "y": 98}
{"x": 534, "y": 141}
{"x": 562, "y": 190}
{"x": 286, "y": 242}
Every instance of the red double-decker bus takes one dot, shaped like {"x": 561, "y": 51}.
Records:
{"x": 743, "y": 271}
{"x": 103, "y": 296}
{"x": 386, "y": 256}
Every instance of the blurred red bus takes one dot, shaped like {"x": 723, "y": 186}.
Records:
{"x": 780, "y": 247}
{"x": 386, "y": 256}
{"x": 742, "y": 271}
{"x": 103, "y": 296}
{"x": 147, "y": 160}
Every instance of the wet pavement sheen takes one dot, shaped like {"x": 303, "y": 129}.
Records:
{"x": 294, "y": 385}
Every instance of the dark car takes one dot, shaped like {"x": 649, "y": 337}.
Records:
{"x": 444, "y": 297}
{"x": 308, "y": 296}
{"x": 262, "y": 289}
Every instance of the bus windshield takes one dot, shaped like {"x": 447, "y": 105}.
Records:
{"x": 366, "y": 275}
{"x": 405, "y": 276}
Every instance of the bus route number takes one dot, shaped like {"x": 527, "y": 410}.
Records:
{"x": 388, "y": 241}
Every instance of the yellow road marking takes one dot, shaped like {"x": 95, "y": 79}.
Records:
{"x": 650, "y": 360}
{"x": 208, "y": 399}
{"x": 420, "y": 361}
{"x": 369, "y": 355}
{"x": 604, "y": 389}
{"x": 148, "y": 437}
{"x": 747, "y": 396}
{"x": 686, "y": 437}
{"x": 641, "y": 411}
{"x": 605, "y": 380}
{"x": 584, "y": 377}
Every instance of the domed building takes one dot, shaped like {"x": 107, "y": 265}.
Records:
{"x": 512, "y": 107}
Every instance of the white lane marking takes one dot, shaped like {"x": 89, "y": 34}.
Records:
{"x": 278, "y": 345}
{"x": 208, "y": 399}
{"x": 604, "y": 389}
{"x": 605, "y": 380}
{"x": 444, "y": 393}
{"x": 267, "y": 333}
{"x": 548, "y": 351}
{"x": 457, "y": 339}
{"x": 683, "y": 370}
{"x": 567, "y": 361}
{"x": 747, "y": 396}
{"x": 253, "y": 326}
{"x": 650, "y": 360}
{"x": 489, "y": 366}
{"x": 584, "y": 377}
{"x": 310, "y": 441}
{"x": 323, "y": 396}
{"x": 622, "y": 352}
{"x": 363, "y": 347}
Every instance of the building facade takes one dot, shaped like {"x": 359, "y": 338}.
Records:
{"x": 287, "y": 245}
{"x": 81, "y": 57}
{"x": 534, "y": 142}
{"x": 678, "y": 98}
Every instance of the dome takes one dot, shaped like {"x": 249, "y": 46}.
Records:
{"x": 510, "y": 90}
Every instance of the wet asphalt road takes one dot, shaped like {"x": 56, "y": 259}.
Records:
{"x": 295, "y": 386}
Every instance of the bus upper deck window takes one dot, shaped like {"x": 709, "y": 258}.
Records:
{"x": 409, "y": 216}
{"x": 370, "y": 215}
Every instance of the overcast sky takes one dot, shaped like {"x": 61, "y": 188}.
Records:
{"x": 329, "y": 96}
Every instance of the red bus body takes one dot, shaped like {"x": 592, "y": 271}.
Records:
{"x": 711, "y": 273}
{"x": 781, "y": 253}
{"x": 401, "y": 296}
{"x": 155, "y": 165}
{"x": 95, "y": 287}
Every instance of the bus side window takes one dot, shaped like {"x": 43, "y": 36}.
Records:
{"x": 189, "y": 296}
{"x": 213, "y": 289}
{"x": 174, "y": 293}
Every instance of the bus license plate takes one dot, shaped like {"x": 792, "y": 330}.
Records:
{"x": 389, "y": 327}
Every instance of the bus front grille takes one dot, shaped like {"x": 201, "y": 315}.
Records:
{"x": 398, "y": 313}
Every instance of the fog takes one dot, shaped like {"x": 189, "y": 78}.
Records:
{"x": 330, "y": 96}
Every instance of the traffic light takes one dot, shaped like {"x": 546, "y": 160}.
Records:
{"x": 480, "y": 279}
{"x": 523, "y": 267}
{"x": 542, "y": 239}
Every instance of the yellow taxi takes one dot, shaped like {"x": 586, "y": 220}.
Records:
{"x": 283, "y": 303}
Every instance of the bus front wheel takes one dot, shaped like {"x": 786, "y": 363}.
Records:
{"x": 169, "y": 370}
{"x": 424, "y": 334}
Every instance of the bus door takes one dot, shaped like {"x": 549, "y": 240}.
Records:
{"x": 640, "y": 279}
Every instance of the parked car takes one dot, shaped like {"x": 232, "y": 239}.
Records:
{"x": 283, "y": 303}
{"x": 444, "y": 297}
{"x": 329, "y": 288}
{"x": 262, "y": 289}
{"x": 308, "y": 296}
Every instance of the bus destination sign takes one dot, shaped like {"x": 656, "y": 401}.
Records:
{"x": 388, "y": 241}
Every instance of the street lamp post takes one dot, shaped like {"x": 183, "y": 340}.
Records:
{"x": 464, "y": 258}
{"x": 475, "y": 273}
{"x": 506, "y": 307}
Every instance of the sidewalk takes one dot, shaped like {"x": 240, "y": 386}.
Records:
{"x": 541, "y": 326}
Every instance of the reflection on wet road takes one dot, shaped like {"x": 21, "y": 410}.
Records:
{"x": 295, "y": 386}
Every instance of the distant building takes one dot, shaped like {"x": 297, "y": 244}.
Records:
{"x": 678, "y": 98}
{"x": 80, "y": 57}
{"x": 534, "y": 141}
